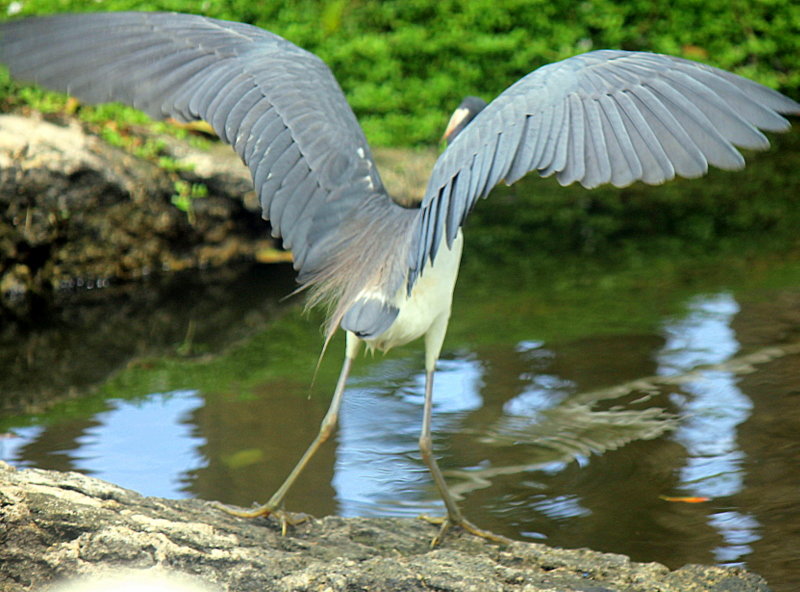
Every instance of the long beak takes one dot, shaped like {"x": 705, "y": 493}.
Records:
{"x": 455, "y": 122}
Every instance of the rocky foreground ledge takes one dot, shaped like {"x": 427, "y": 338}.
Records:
{"x": 57, "y": 526}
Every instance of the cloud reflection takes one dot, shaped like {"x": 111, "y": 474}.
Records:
{"x": 712, "y": 407}
{"x": 378, "y": 471}
{"x": 145, "y": 445}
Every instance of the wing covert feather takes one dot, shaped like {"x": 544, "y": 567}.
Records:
{"x": 606, "y": 116}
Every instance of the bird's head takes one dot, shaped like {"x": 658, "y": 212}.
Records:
{"x": 461, "y": 117}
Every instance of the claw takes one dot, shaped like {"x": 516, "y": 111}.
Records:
{"x": 288, "y": 519}
{"x": 284, "y": 518}
{"x": 446, "y": 523}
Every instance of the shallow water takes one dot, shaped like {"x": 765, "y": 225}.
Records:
{"x": 567, "y": 408}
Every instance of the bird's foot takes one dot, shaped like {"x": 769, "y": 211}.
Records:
{"x": 258, "y": 512}
{"x": 288, "y": 519}
{"x": 447, "y": 522}
{"x": 284, "y": 518}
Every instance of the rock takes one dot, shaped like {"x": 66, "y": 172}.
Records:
{"x": 59, "y": 526}
{"x": 75, "y": 211}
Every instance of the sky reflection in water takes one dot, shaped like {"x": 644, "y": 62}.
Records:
{"x": 711, "y": 413}
{"x": 150, "y": 446}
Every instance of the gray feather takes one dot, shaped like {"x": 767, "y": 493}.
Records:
{"x": 369, "y": 317}
{"x": 626, "y": 160}
{"x": 278, "y": 105}
{"x": 605, "y": 116}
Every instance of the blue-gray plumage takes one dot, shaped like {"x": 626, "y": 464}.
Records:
{"x": 386, "y": 270}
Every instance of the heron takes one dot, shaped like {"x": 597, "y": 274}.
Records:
{"x": 387, "y": 271}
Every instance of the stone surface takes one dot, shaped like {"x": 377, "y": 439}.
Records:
{"x": 76, "y": 212}
{"x": 55, "y": 527}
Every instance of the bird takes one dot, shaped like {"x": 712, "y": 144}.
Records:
{"x": 386, "y": 271}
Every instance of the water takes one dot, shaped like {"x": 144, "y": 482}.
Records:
{"x": 567, "y": 408}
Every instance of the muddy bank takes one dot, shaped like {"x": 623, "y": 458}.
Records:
{"x": 57, "y": 526}
{"x": 77, "y": 212}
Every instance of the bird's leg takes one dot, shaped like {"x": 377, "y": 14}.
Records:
{"x": 325, "y": 430}
{"x": 433, "y": 345}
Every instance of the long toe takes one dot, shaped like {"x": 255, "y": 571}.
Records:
{"x": 486, "y": 534}
{"x": 446, "y": 523}
{"x": 284, "y": 518}
{"x": 264, "y": 510}
{"x": 443, "y": 523}
{"x": 288, "y": 519}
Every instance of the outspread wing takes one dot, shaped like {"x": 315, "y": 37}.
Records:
{"x": 601, "y": 117}
{"x": 277, "y": 104}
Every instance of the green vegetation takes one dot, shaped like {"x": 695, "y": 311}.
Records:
{"x": 404, "y": 64}
{"x": 185, "y": 192}
{"x": 689, "y": 218}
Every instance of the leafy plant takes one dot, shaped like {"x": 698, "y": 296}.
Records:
{"x": 185, "y": 192}
{"x": 405, "y": 64}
